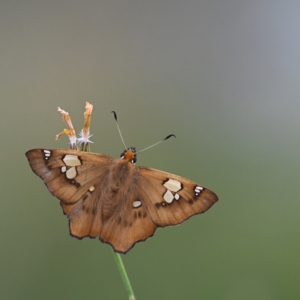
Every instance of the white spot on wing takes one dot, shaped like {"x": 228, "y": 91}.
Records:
{"x": 173, "y": 185}
{"x": 137, "y": 203}
{"x": 71, "y": 160}
{"x": 71, "y": 173}
{"x": 47, "y": 153}
{"x": 200, "y": 188}
{"x": 177, "y": 196}
{"x": 92, "y": 188}
{"x": 168, "y": 196}
{"x": 64, "y": 169}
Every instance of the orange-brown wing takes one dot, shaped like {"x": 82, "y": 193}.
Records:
{"x": 75, "y": 178}
{"x": 127, "y": 220}
{"x": 116, "y": 201}
{"x": 130, "y": 221}
{"x": 152, "y": 198}
{"x": 171, "y": 199}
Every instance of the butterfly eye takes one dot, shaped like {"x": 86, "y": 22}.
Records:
{"x": 134, "y": 160}
{"x": 122, "y": 154}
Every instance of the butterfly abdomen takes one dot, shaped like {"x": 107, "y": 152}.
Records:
{"x": 119, "y": 181}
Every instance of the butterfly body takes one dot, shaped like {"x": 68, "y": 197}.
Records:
{"x": 115, "y": 200}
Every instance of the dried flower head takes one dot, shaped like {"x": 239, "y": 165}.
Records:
{"x": 84, "y": 135}
{"x": 70, "y": 131}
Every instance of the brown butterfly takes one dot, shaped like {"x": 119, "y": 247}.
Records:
{"x": 115, "y": 200}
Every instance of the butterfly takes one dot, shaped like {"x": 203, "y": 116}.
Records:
{"x": 113, "y": 199}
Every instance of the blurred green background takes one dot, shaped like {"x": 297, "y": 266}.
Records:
{"x": 221, "y": 75}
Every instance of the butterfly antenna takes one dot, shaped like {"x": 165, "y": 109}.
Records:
{"x": 115, "y": 115}
{"x": 157, "y": 143}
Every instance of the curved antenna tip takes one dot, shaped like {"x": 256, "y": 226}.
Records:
{"x": 115, "y": 115}
{"x": 170, "y": 135}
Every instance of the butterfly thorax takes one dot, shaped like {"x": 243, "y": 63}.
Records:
{"x": 129, "y": 154}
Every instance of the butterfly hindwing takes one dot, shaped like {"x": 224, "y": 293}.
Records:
{"x": 130, "y": 222}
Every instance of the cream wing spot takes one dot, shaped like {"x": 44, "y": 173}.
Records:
{"x": 63, "y": 169}
{"x": 177, "y": 196}
{"x": 71, "y": 160}
{"x": 71, "y": 173}
{"x": 168, "y": 197}
{"x": 173, "y": 185}
{"x": 136, "y": 204}
{"x": 92, "y": 188}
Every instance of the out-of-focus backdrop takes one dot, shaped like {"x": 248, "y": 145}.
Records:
{"x": 224, "y": 76}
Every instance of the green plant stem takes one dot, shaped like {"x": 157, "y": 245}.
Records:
{"x": 86, "y": 148}
{"x": 124, "y": 275}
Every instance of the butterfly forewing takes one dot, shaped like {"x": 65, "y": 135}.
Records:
{"x": 171, "y": 199}
{"x": 114, "y": 200}
{"x": 66, "y": 179}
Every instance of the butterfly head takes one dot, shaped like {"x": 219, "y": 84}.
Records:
{"x": 129, "y": 154}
